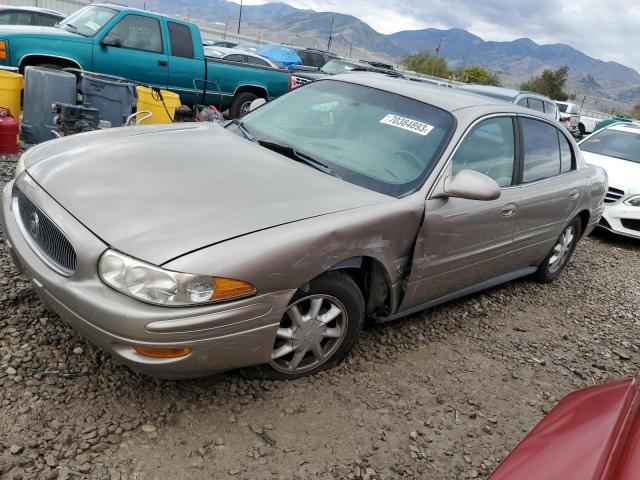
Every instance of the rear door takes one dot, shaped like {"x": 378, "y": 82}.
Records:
{"x": 550, "y": 186}
{"x": 465, "y": 242}
{"x": 142, "y": 55}
{"x": 186, "y": 65}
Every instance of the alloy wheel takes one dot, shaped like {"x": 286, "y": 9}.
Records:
{"x": 562, "y": 249}
{"x": 311, "y": 331}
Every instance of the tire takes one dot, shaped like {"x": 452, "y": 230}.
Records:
{"x": 548, "y": 271}
{"x": 241, "y": 102}
{"x": 581, "y": 129}
{"x": 337, "y": 290}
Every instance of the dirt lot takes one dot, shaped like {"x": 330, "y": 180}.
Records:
{"x": 443, "y": 394}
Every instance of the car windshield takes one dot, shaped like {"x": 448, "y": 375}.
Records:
{"x": 88, "y": 21}
{"x": 334, "y": 67}
{"x": 614, "y": 143}
{"x": 372, "y": 138}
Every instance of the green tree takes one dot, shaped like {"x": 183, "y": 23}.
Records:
{"x": 550, "y": 83}
{"x": 424, "y": 62}
{"x": 635, "y": 111}
{"x": 478, "y": 75}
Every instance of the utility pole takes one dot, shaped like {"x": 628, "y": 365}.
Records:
{"x": 435, "y": 64}
{"x": 466, "y": 59}
{"x": 351, "y": 48}
{"x": 330, "y": 34}
{"x": 240, "y": 17}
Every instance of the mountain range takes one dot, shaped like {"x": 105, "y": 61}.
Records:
{"x": 605, "y": 84}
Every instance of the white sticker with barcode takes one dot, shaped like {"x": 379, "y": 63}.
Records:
{"x": 407, "y": 124}
{"x": 93, "y": 25}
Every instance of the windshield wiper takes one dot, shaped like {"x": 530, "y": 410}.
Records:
{"x": 298, "y": 156}
{"x": 70, "y": 25}
{"x": 244, "y": 130}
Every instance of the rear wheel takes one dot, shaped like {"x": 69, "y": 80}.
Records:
{"x": 242, "y": 104}
{"x": 318, "y": 329}
{"x": 561, "y": 253}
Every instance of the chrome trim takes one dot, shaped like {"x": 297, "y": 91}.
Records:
{"x": 15, "y": 207}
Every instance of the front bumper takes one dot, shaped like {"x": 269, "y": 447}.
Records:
{"x": 622, "y": 219}
{"x": 222, "y": 337}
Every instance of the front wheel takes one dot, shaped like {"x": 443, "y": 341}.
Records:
{"x": 318, "y": 329}
{"x": 242, "y": 104}
{"x": 561, "y": 253}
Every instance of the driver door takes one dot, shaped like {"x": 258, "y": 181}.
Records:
{"x": 462, "y": 242}
{"x": 142, "y": 54}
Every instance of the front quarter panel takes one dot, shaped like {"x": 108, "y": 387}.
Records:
{"x": 288, "y": 256}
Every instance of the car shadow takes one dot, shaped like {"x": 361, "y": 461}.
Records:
{"x": 613, "y": 239}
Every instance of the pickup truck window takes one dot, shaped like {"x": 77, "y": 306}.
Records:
{"x": 139, "y": 33}
{"x": 88, "y": 21}
{"x": 16, "y": 18}
{"x": 181, "y": 40}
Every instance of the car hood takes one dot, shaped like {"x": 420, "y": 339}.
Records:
{"x": 157, "y": 193}
{"x": 622, "y": 174}
{"x": 11, "y": 31}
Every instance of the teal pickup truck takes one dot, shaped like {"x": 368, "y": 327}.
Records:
{"x": 148, "y": 48}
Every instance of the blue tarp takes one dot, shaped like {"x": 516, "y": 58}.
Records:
{"x": 286, "y": 56}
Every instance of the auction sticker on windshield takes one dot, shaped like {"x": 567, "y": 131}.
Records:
{"x": 407, "y": 124}
{"x": 93, "y": 25}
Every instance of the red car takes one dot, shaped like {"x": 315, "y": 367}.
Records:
{"x": 593, "y": 434}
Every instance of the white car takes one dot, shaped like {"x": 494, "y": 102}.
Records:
{"x": 240, "y": 56}
{"x": 617, "y": 149}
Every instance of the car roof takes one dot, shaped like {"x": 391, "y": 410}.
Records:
{"x": 9, "y": 8}
{"x": 502, "y": 93}
{"x": 449, "y": 99}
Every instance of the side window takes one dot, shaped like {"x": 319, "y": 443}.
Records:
{"x": 46, "y": 20}
{"x": 550, "y": 108}
{"x": 139, "y": 33}
{"x": 315, "y": 60}
{"x": 304, "y": 56}
{"x": 256, "y": 61}
{"x": 566, "y": 154}
{"x": 235, "y": 58}
{"x": 541, "y": 152}
{"x": 523, "y": 102}
{"x": 181, "y": 40}
{"x": 536, "y": 104}
{"x": 489, "y": 149}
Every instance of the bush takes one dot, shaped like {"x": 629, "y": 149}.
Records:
{"x": 424, "y": 62}
{"x": 550, "y": 83}
{"x": 477, "y": 75}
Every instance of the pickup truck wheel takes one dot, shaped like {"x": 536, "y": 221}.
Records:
{"x": 561, "y": 253}
{"x": 241, "y": 104}
{"x": 319, "y": 328}
{"x": 581, "y": 129}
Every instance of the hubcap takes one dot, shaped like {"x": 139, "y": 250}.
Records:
{"x": 561, "y": 250}
{"x": 245, "y": 108}
{"x": 311, "y": 331}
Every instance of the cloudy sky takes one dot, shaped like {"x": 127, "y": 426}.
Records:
{"x": 605, "y": 29}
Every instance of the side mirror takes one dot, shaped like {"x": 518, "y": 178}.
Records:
{"x": 257, "y": 103}
{"x": 470, "y": 185}
{"x": 110, "y": 41}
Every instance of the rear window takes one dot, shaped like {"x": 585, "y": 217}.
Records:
{"x": 535, "y": 104}
{"x": 181, "y": 40}
{"x": 614, "y": 143}
{"x": 563, "y": 107}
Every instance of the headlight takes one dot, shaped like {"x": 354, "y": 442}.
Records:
{"x": 633, "y": 201}
{"x": 20, "y": 166}
{"x": 151, "y": 284}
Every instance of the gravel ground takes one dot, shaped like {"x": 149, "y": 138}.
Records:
{"x": 443, "y": 394}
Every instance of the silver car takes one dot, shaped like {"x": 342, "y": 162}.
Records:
{"x": 188, "y": 249}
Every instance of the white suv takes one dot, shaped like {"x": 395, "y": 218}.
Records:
{"x": 617, "y": 149}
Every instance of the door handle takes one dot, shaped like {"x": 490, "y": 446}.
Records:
{"x": 574, "y": 194}
{"x": 163, "y": 63}
{"x": 509, "y": 210}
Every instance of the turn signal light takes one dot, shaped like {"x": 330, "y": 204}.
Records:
{"x": 3, "y": 44}
{"x": 3, "y": 54}
{"x": 229, "y": 288}
{"x": 163, "y": 352}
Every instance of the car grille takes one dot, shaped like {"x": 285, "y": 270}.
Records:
{"x": 631, "y": 224}
{"x": 613, "y": 195}
{"x": 44, "y": 236}
{"x": 299, "y": 81}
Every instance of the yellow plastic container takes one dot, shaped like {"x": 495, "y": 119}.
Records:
{"x": 11, "y": 84}
{"x": 162, "y": 106}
